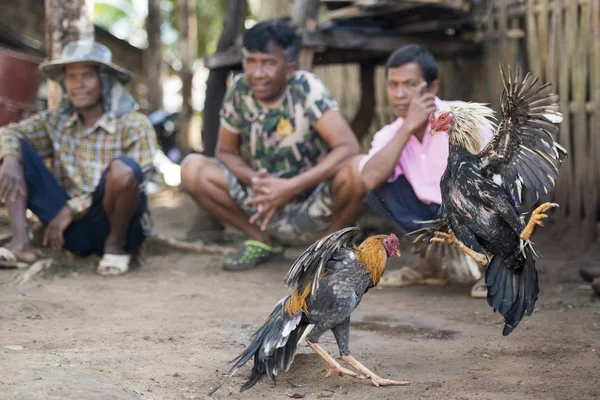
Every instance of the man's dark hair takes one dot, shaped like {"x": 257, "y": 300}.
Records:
{"x": 258, "y": 37}
{"x": 413, "y": 53}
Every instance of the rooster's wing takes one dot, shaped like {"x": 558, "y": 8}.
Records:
{"x": 523, "y": 152}
{"x": 309, "y": 267}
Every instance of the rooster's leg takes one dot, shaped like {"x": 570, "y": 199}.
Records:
{"x": 450, "y": 238}
{"x": 537, "y": 217}
{"x": 376, "y": 380}
{"x": 342, "y": 337}
{"x": 334, "y": 366}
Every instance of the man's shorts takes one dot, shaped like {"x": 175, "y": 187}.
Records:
{"x": 300, "y": 222}
{"x": 85, "y": 236}
{"x": 398, "y": 202}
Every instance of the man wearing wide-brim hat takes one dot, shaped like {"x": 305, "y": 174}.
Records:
{"x": 92, "y": 199}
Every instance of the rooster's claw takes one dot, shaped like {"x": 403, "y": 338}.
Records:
{"x": 342, "y": 371}
{"x": 377, "y": 381}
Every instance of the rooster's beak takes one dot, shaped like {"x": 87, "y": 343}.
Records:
{"x": 397, "y": 253}
{"x": 433, "y": 131}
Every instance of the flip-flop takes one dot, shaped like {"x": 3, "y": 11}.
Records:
{"x": 110, "y": 262}
{"x": 407, "y": 276}
{"x": 251, "y": 255}
{"x": 479, "y": 289}
{"x": 9, "y": 260}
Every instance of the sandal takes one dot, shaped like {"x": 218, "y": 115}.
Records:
{"x": 252, "y": 254}
{"x": 113, "y": 264}
{"x": 479, "y": 289}
{"x": 8, "y": 259}
{"x": 407, "y": 276}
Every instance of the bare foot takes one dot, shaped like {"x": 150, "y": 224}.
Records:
{"x": 23, "y": 252}
{"x": 113, "y": 249}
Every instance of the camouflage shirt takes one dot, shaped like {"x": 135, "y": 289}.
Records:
{"x": 280, "y": 137}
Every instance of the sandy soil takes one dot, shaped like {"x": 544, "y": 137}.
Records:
{"x": 169, "y": 329}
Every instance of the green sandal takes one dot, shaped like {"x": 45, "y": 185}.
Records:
{"x": 251, "y": 255}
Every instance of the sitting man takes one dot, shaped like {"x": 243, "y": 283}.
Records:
{"x": 405, "y": 164}
{"x": 284, "y": 158}
{"x": 102, "y": 149}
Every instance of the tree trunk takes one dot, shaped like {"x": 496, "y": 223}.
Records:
{"x": 216, "y": 85}
{"x": 153, "y": 57}
{"x": 66, "y": 21}
{"x": 188, "y": 46}
{"x": 304, "y": 19}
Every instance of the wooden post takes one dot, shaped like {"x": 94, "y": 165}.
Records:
{"x": 366, "y": 110}
{"x": 233, "y": 25}
{"x": 153, "y": 57}
{"x": 304, "y": 19}
{"x": 66, "y": 21}
{"x": 188, "y": 46}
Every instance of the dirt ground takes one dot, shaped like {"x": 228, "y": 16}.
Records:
{"x": 168, "y": 330}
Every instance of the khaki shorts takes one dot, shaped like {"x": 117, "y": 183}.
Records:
{"x": 301, "y": 221}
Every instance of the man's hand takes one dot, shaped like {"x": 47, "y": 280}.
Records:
{"x": 56, "y": 228}
{"x": 12, "y": 181}
{"x": 421, "y": 106}
{"x": 271, "y": 195}
{"x": 262, "y": 173}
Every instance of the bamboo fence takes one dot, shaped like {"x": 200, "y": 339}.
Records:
{"x": 558, "y": 41}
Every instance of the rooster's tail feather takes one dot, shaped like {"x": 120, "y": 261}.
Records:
{"x": 513, "y": 286}
{"x": 273, "y": 347}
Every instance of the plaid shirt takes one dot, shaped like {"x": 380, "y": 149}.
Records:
{"x": 81, "y": 155}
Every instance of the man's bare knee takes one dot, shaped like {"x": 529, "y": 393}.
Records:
{"x": 191, "y": 169}
{"x": 349, "y": 179}
{"x": 121, "y": 175}
{"x": 199, "y": 173}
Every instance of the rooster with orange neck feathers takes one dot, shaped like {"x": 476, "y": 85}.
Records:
{"x": 328, "y": 282}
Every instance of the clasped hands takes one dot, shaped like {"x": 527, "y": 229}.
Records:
{"x": 270, "y": 196}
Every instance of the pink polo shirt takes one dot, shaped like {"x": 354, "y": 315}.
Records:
{"x": 422, "y": 163}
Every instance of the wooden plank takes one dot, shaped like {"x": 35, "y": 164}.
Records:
{"x": 563, "y": 184}
{"x": 385, "y": 43}
{"x": 532, "y": 40}
{"x": 584, "y": 129}
{"x": 579, "y": 89}
{"x": 555, "y": 57}
{"x": 304, "y": 19}
{"x": 342, "y": 47}
{"x": 346, "y": 12}
{"x": 553, "y": 42}
{"x": 543, "y": 38}
{"x": 502, "y": 28}
{"x": 595, "y": 98}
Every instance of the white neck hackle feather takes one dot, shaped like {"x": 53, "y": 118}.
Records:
{"x": 471, "y": 120}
